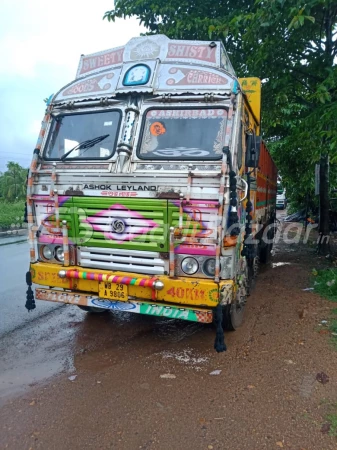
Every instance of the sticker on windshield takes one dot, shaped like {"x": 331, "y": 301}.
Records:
{"x": 107, "y": 124}
{"x": 157, "y": 128}
{"x": 104, "y": 152}
{"x": 181, "y": 152}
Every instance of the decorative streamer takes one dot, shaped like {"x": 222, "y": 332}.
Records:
{"x": 65, "y": 243}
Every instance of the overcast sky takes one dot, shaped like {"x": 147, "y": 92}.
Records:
{"x": 40, "y": 47}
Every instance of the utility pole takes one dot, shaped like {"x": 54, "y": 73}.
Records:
{"x": 324, "y": 228}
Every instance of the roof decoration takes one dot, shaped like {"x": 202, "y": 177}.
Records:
{"x": 153, "y": 64}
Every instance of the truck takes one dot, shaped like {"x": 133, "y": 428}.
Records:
{"x": 150, "y": 189}
{"x": 281, "y": 199}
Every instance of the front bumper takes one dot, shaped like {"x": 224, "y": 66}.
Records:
{"x": 133, "y": 306}
{"x": 180, "y": 291}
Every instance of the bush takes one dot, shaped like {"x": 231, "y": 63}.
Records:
{"x": 11, "y": 214}
{"x": 326, "y": 283}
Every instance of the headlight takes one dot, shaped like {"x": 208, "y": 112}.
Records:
{"x": 47, "y": 253}
{"x": 59, "y": 254}
{"x": 189, "y": 265}
{"x": 209, "y": 267}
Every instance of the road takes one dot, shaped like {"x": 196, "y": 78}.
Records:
{"x": 69, "y": 380}
{"x": 14, "y": 263}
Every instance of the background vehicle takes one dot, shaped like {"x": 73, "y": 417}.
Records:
{"x": 144, "y": 193}
{"x": 281, "y": 199}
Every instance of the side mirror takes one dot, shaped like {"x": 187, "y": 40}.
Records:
{"x": 253, "y": 144}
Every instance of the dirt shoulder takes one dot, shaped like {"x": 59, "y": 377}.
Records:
{"x": 266, "y": 396}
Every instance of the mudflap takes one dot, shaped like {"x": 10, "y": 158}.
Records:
{"x": 30, "y": 301}
{"x": 219, "y": 344}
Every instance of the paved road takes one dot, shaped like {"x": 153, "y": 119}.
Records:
{"x": 31, "y": 344}
{"x": 14, "y": 263}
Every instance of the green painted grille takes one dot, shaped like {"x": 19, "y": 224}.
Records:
{"x": 145, "y": 223}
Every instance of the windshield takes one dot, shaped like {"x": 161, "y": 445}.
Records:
{"x": 183, "y": 134}
{"x": 72, "y": 131}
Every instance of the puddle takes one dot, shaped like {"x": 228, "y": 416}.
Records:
{"x": 70, "y": 341}
{"x": 17, "y": 379}
{"x": 36, "y": 352}
{"x": 280, "y": 264}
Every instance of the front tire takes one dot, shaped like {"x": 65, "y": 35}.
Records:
{"x": 232, "y": 316}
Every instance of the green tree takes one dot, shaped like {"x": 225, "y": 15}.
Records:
{"x": 295, "y": 45}
{"x": 13, "y": 182}
{"x": 183, "y": 19}
{"x": 292, "y": 46}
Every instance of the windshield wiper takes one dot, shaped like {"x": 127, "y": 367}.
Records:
{"x": 85, "y": 145}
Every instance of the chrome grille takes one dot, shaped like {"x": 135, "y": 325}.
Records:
{"x": 123, "y": 260}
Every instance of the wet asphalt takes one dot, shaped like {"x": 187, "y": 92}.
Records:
{"x": 14, "y": 263}
{"x": 20, "y": 367}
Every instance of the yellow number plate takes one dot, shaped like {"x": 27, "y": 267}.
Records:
{"x": 113, "y": 291}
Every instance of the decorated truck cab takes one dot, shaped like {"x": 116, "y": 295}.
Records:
{"x": 150, "y": 190}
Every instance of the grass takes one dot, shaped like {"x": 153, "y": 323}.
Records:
{"x": 11, "y": 214}
{"x": 326, "y": 283}
{"x": 332, "y": 419}
{"x": 333, "y": 329}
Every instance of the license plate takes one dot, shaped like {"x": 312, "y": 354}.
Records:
{"x": 113, "y": 291}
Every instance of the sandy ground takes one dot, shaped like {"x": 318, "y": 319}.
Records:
{"x": 265, "y": 394}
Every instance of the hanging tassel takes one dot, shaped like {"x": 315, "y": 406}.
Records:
{"x": 219, "y": 344}
{"x": 30, "y": 301}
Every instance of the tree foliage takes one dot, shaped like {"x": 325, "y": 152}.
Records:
{"x": 13, "y": 182}
{"x": 291, "y": 45}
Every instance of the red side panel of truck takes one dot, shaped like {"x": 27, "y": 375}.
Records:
{"x": 266, "y": 185}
